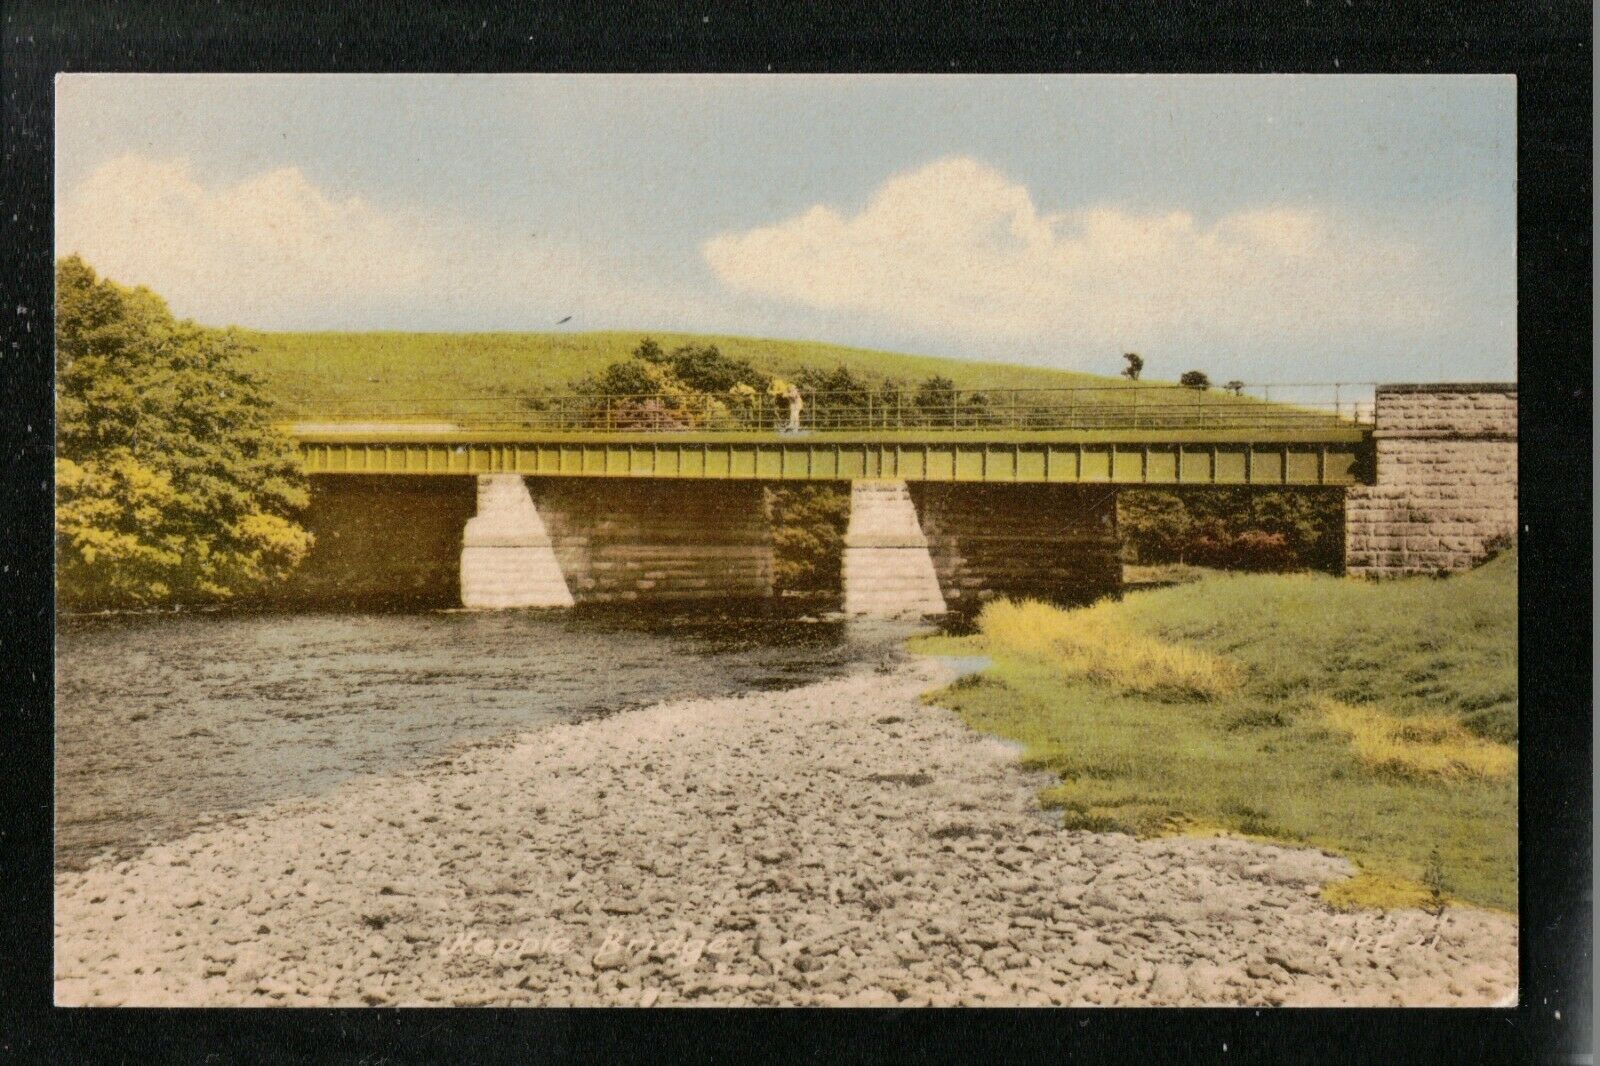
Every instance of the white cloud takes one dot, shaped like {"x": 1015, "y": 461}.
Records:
{"x": 957, "y": 249}
{"x": 240, "y": 252}
{"x": 275, "y": 251}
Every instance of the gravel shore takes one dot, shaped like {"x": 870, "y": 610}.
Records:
{"x": 841, "y": 843}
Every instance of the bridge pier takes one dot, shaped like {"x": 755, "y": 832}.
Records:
{"x": 929, "y": 548}
{"x": 1446, "y": 485}
{"x": 507, "y": 557}
{"x": 888, "y": 572}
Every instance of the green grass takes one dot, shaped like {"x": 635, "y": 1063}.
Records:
{"x": 1431, "y": 661}
{"x": 1158, "y": 574}
{"x": 308, "y": 373}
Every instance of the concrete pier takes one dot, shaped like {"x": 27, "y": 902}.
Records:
{"x": 507, "y": 558}
{"x": 888, "y": 572}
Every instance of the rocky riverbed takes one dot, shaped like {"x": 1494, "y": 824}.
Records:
{"x": 841, "y": 843}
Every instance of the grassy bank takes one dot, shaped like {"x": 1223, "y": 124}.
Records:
{"x": 307, "y": 373}
{"x": 1377, "y": 720}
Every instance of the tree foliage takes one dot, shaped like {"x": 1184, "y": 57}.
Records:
{"x": 690, "y": 387}
{"x": 808, "y": 524}
{"x": 172, "y": 485}
{"x": 1195, "y": 379}
{"x": 1235, "y": 528}
{"x": 702, "y": 367}
{"x": 1135, "y": 365}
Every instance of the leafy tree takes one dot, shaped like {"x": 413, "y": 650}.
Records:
{"x": 843, "y": 398}
{"x": 629, "y": 377}
{"x": 172, "y": 484}
{"x": 1235, "y": 528}
{"x": 702, "y": 367}
{"x": 1235, "y": 386}
{"x": 936, "y": 398}
{"x": 706, "y": 369}
{"x": 1135, "y": 366}
{"x": 808, "y": 524}
{"x": 693, "y": 385}
{"x": 839, "y": 389}
{"x": 1195, "y": 379}
{"x": 939, "y": 403}
{"x": 650, "y": 351}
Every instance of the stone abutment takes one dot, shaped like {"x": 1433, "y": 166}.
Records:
{"x": 1446, "y": 485}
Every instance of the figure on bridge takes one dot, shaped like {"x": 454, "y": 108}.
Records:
{"x": 789, "y": 393}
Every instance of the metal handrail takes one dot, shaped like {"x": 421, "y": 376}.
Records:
{"x": 887, "y": 407}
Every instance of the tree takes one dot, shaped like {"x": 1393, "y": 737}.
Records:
{"x": 843, "y": 398}
{"x": 691, "y": 386}
{"x": 936, "y": 398}
{"x": 808, "y": 524}
{"x": 1195, "y": 379}
{"x": 1235, "y": 386}
{"x": 1236, "y": 528}
{"x": 172, "y": 484}
{"x": 1135, "y": 366}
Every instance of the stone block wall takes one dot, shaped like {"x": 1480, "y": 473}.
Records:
{"x": 382, "y": 539}
{"x": 1051, "y": 542}
{"x": 1446, "y": 484}
{"x": 621, "y": 540}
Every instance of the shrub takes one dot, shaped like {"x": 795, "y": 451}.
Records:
{"x": 808, "y": 523}
{"x": 1234, "y": 528}
{"x": 1420, "y": 746}
{"x": 1087, "y": 643}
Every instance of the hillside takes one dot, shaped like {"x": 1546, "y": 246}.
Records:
{"x": 310, "y": 374}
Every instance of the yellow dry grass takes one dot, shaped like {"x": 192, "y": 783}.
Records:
{"x": 1090, "y": 643}
{"x": 1376, "y": 891}
{"x": 1419, "y": 746}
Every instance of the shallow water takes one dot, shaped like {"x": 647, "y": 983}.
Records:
{"x": 162, "y": 721}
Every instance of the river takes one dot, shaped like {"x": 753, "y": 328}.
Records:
{"x": 165, "y": 721}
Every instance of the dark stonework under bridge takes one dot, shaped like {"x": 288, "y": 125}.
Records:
{"x": 640, "y": 501}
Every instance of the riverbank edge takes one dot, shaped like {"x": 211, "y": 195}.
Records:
{"x": 1364, "y": 889}
{"x": 845, "y": 775}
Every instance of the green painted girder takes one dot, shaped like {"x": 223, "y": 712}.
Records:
{"x": 1334, "y": 456}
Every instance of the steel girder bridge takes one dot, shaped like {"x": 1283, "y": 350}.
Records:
{"x": 1125, "y": 435}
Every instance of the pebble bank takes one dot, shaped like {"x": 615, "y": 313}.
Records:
{"x": 838, "y": 844}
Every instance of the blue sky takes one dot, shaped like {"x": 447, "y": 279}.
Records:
{"x": 1264, "y": 228}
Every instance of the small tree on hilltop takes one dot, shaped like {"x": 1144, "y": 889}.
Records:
{"x": 1235, "y": 386}
{"x": 1135, "y": 366}
{"x": 1195, "y": 379}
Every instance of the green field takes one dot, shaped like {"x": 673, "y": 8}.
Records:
{"x": 313, "y": 374}
{"x": 1376, "y": 720}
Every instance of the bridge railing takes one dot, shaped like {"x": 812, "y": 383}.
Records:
{"x": 883, "y": 409}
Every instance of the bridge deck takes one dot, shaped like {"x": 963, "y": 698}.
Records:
{"x": 1323, "y": 453}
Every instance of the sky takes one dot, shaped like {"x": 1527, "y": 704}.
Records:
{"x": 1264, "y": 228}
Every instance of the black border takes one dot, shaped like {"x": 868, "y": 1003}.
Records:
{"x": 1546, "y": 43}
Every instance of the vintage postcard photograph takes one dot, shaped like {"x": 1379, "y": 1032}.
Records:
{"x": 831, "y": 540}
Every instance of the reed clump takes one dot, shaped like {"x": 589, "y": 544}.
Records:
{"x": 1418, "y": 746}
{"x": 1093, "y": 644}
